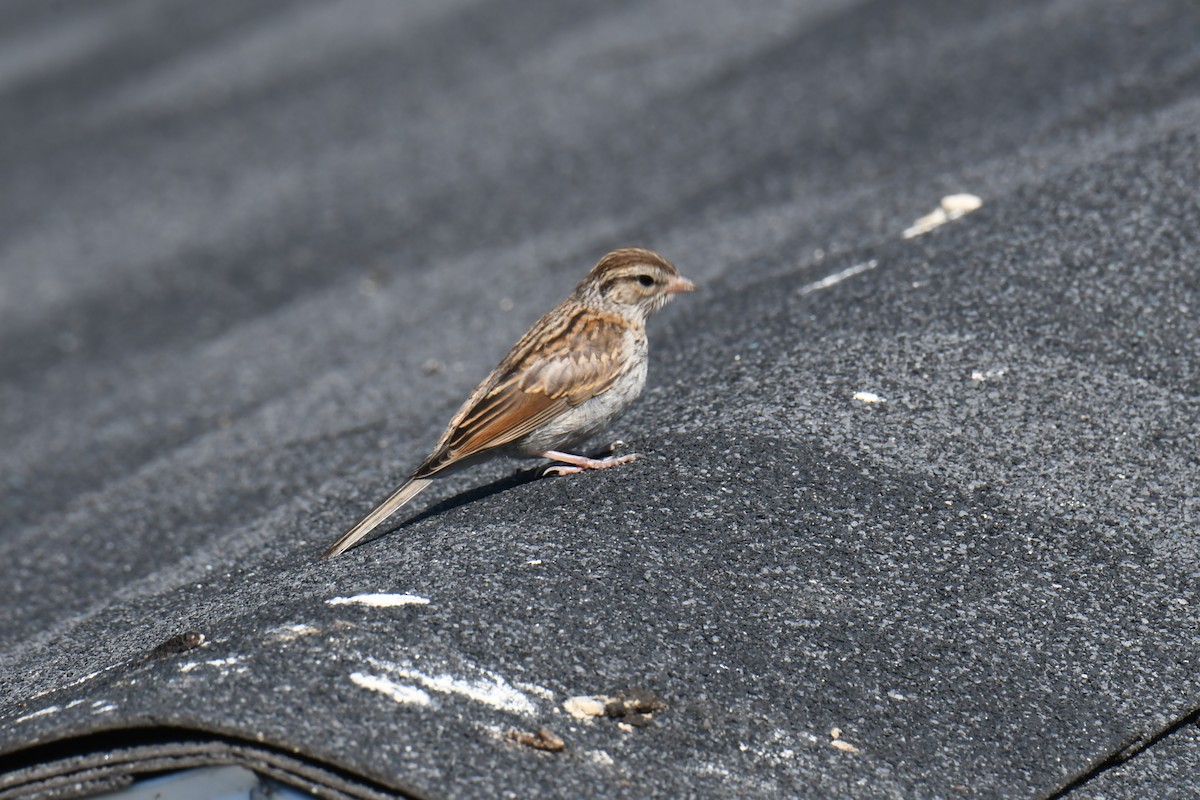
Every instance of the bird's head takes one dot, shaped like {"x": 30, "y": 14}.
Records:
{"x": 633, "y": 282}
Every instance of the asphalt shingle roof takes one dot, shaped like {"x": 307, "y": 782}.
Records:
{"x": 916, "y": 517}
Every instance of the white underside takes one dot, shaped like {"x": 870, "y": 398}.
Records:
{"x": 588, "y": 419}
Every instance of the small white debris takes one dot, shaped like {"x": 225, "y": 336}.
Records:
{"x": 952, "y": 207}
{"x": 868, "y": 397}
{"x": 835, "y": 736}
{"x": 838, "y": 277}
{"x": 410, "y": 695}
{"x": 708, "y": 768}
{"x": 959, "y": 204}
{"x": 534, "y": 562}
{"x": 600, "y": 757}
{"x": 892, "y": 693}
{"x": 380, "y": 600}
{"x": 586, "y": 707}
{"x": 980, "y": 376}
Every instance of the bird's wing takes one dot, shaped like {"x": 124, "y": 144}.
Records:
{"x": 566, "y": 358}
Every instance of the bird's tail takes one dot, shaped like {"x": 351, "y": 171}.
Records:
{"x": 408, "y": 491}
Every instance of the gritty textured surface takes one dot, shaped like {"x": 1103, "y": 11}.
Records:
{"x": 254, "y": 255}
{"x": 1167, "y": 770}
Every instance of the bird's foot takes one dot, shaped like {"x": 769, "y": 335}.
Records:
{"x": 558, "y": 470}
{"x": 573, "y": 463}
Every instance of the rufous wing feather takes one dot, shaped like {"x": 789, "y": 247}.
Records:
{"x": 571, "y": 364}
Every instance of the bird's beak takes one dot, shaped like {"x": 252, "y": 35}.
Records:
{"x": 680, "y": 284}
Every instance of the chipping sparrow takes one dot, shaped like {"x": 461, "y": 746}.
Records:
{"x": 572, "y": 374}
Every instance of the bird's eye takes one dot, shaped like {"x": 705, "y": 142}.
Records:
{"x": 646, "y": 280}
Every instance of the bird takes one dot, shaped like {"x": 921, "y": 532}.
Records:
{"x": 574, "y": 372}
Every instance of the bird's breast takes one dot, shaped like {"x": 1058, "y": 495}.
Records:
{"x": 592, "y": 416}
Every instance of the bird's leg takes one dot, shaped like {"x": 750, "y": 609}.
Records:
{"x": 573, "y": 463}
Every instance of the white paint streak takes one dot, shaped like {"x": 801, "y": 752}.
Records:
{"x": 491, "y": 690}
{"x": 290, "y": 633}
{"x": 409, "y": 695}
{"x": 838, "y": 277}
{"x": 36, "y": 714}
{"x": 76, "y": 682}
{"x": 216, "y": 662}
{"x": 380, "y": 600}
{"x": 533, "y": 688}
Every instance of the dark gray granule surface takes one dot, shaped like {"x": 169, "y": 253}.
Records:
{"x": 253, "y": 256}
